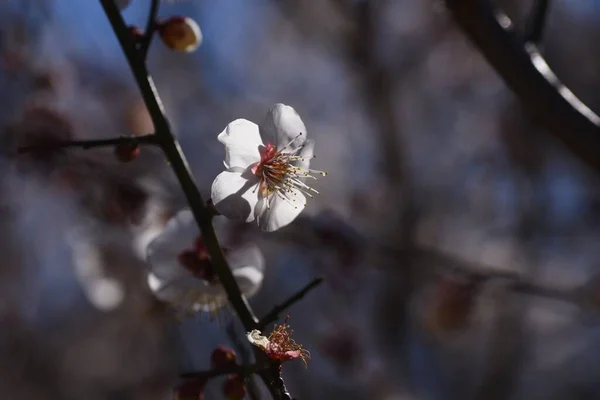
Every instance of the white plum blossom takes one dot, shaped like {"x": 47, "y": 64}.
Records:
{"x": 182, "y": 274}
{"x": 265, "y": 181}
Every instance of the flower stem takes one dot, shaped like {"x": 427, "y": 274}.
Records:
{"x": 273, "y": 315}
{"x": 243, "y": 370}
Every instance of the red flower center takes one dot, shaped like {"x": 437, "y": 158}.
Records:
{"x": 198, "y": 262}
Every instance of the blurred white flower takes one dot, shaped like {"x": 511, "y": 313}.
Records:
{"x": 265, "y": 182}
{"x": 182, "y": 274}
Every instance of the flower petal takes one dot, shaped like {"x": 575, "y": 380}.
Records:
{"x": 282, "y": 125}
{"x": 307, "y": 153}
{"x": 242, "y": 142}
{"x": 248, "y": 265}
{"x": 235, "y": 194}
{"x": 179, "y": 233}
{"x": 282, "y": 212}
{"x": 188, "y": 295}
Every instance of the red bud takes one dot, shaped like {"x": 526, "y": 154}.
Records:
{"x": 127, "y": 152}
{"x": 222, "y": 357}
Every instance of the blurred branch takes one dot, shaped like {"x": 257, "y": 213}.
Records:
{"x": 307, "y": 231}
{"x": 150, "y": 29}
{"x": 273, "y": 315}
{"x": 89, "y": 144}
{"x": 525, "y": 71}
{"x": 244, "y": 370}
{"x": 537, "y": 22}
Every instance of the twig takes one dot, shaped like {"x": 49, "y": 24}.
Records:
{"x": 273, "y": 315}
{"x": 525, "y": 71}
{"x": 150, "y": 29}
{"x": 537, "y": 22}
{"x": 244, "y": 370}
{"x": 89, "y": 144}
{"x": 241, "y": 346}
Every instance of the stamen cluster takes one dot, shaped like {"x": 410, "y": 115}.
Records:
{"x": 279, "y": 173}
{"x": 279, "y": 346}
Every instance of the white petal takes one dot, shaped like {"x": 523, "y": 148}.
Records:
{"x": 257, "y": 339}
{"x": 282, "y": 124}
{"x": 282, "y": 212}
{"x": 307, "y": 153}
{"x": 242, "y": 142}
{"x": 236, "y": 194}
{"x": 248, "y": 266}
{"x": 188, "y": 294}
{"x": 179, "y": 234}
{"x": 249, "y": 279}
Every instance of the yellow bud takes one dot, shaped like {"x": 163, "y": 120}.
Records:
{"x": 180, "y": 33}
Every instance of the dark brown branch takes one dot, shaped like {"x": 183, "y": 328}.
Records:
{"x": 535, "y": 25}
{"x": 273, "y": 315}
{"x": 525, "y": 71}
{"x": 146, "y": 40}
{"x": 180, "y": 166}
{"x": 244, "y": 370}
{"x": 89, "y": 144}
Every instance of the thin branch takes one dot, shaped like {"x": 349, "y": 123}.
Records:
{"x": 150, "y": 29}
{"x": 244, "y": 370}
{"x": 273, "y": 315}
{"x": 90, "y": 144}
{"x": 525, "y": 71}
{"x": 241, "y": 346}
{"x": 535, "y": 26}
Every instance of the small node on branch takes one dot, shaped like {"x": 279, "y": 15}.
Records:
{"x": 234, "y": 387}
{"x": 126, "y": 152}
{"x": 136, "y": 33}
{"x": 180, "y": 33}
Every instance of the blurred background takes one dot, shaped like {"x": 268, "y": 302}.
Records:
{"x": 458, "y": 240}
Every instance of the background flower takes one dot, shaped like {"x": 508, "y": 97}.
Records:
{"x": 172, "y": 282}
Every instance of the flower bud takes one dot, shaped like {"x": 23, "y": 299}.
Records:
{"x": 222, "y": 357}
{"x": 180, "y": 33}
{"x": 234, "y": 387}
{"x": 127, "y": 152}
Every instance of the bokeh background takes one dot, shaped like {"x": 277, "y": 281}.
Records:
{"x": 458, "y": 240}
